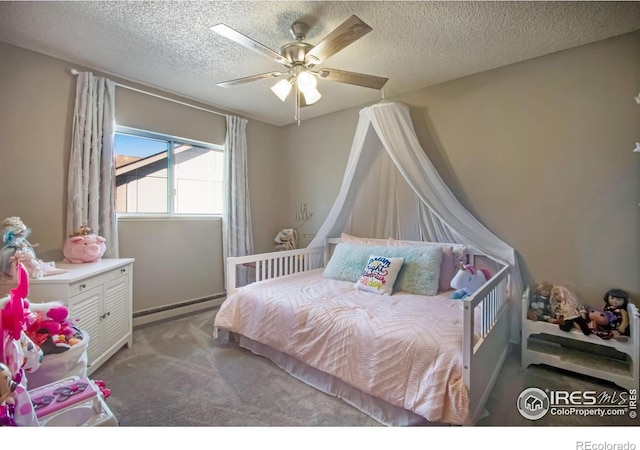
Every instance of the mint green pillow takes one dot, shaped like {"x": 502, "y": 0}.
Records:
{"x": 420, "y": 271}
{"x": 419, "y": 274}
{"x": 349, "y": 260}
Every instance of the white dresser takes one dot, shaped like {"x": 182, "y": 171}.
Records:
{"x": 98, "y": 295}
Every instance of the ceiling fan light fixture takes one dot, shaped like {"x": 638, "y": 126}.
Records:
{"x": 306, "y": 82}
{"x": 311, "y": 96}
{"x": 282, "y": 89}
{"x": 300, "y": 57}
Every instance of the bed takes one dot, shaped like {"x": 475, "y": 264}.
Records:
{"x": 403, "y": 359}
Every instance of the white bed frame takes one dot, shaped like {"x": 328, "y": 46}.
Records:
{"x": 482, "y": 362}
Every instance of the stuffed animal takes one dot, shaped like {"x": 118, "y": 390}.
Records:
{"x": 616, "y": 301}
{"x": 598, "y": 322}
{"x": 7, "y": 387}
{"x": 49, "y": 326}
{"x": 539, "y": 305}
{"x": 468, "y": 280}
{"x": 568, "y": 308}
{"x": 84, "y": 247}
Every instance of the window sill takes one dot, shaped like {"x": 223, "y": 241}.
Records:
{"x": 166, "y": 217}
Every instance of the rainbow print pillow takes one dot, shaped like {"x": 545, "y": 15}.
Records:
{"x": 379, "y": 274}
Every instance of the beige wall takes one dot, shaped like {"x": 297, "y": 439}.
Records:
{"x": 540, "y": 152}
{"x": 176, "y": 260}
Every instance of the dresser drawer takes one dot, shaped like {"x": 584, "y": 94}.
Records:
{"x": 98, "y": 280}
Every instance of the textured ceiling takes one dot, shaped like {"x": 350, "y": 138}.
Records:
{"x": 415, "y": 44}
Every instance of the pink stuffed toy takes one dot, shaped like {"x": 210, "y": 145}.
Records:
{"x": 84, "y": 247}
{"x": 50, "y": 319}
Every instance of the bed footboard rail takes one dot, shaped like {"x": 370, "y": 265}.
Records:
{"x": 274, "y": 264}
{"x": 485, "y": 339}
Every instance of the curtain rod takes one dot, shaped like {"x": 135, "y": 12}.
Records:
{"x": 76, "y": 72}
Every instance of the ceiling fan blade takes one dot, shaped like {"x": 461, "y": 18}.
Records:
{"x": 359, "y": 79}
{"x": 350, "y": 31}
{"x": 245, "y": 80}
{"x": 235, "y": 36}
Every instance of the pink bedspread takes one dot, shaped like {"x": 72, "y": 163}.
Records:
{"x": 405, "y": 349}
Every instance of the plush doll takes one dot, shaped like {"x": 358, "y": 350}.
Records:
{"x": 7, "y": 387}
{"x": 598, "y": 322}
{"x": 17, "y": 249}
{"x": 568, "y": 307}
{"x": 539, "y": 305}
{"x": 14, "y": 238}
{"x": 616, "y": 301}
{"x": 49, "y": 326}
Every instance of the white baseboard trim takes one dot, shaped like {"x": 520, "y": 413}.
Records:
{"x": 143, "y": 317}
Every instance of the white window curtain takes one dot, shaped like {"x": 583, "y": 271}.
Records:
{"x": 237, "y": 234}
{"x": 91, "y": 185}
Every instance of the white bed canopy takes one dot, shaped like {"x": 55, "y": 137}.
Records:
{"x": 398, "y": 193}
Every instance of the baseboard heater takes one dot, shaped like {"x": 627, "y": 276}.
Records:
{"x": 177, "y": 308}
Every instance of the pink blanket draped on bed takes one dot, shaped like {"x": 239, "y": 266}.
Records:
{"x": 405, "y": 349}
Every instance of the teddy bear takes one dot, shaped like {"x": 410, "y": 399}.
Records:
{"x": 616, "y": 301}
{"x": 568, "y": 308}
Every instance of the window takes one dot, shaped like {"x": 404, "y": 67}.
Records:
{"x": 158, "y": 174}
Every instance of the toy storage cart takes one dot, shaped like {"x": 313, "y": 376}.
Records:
{"x": 623, "y": 371}
{"x": 59, "y": 366}
{"x": 72, "y": 402}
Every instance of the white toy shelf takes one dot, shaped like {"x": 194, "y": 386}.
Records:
{"x": 622, "y": 371}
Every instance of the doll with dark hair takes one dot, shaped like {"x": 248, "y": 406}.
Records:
{"x": 616, "y": 301}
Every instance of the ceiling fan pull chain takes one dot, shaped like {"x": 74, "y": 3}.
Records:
{"x": 297, "y": 105}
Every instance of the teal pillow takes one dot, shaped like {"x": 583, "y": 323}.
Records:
{"x": 419, "y": 274}
{"x": 420, "y": 271}
{"x": 349, "y": 260}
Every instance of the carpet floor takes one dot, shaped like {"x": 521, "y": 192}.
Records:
{"x": 177, "y": 375}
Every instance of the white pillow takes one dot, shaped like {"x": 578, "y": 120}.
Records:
{"x": 344, "y": 237}
{"x": 379, "y": 275}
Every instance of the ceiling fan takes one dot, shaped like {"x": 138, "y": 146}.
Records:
{"x": 300, "y": 57}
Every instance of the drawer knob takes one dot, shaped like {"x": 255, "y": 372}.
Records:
{"x": 123, "y": 270}
{"x": 82, "y": 286}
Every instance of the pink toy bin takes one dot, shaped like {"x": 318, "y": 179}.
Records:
{"x": 72, "y": 402}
